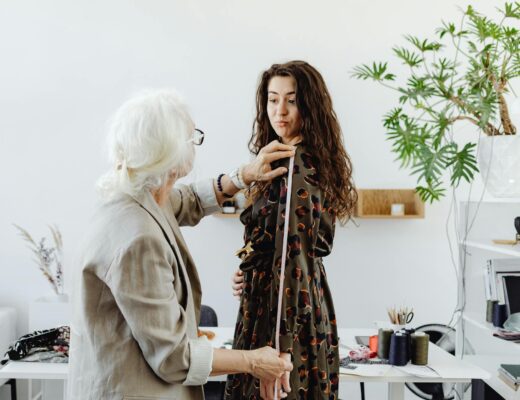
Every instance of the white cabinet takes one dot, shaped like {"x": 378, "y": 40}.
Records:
{"x": 479, "y": 224}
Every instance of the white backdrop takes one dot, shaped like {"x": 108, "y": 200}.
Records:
{"x": 66, "y": 66}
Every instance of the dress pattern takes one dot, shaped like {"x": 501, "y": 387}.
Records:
{"x": 308, "y": 324}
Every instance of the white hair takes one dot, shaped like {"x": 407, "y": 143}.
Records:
{"x": 148, "y": 140}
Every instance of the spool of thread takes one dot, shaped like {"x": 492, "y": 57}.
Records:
{"x": 399, "y": 349}
{"x": 490, "y": 305}
{"x": 499, "y": 315}
{"x": 383, "y": 343}
{"x": 372, "y": 343}
{"x": 420, "y": 342}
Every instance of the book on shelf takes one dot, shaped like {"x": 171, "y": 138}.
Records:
{"x": 512, "y": 371}
{"x": 511, "y": 284}
{"x": 504, "y": 378}
{"x": 494, "y": 271}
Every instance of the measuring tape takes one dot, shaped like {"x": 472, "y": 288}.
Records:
{"x": 284, "y": 258}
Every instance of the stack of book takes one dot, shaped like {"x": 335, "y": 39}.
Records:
{"x": 510, "y": 374}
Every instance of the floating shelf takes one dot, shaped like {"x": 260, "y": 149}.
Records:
{"x": 487, "y": 328}
{"x": 376, "y": 203}
{"x": 223, "y": 215}
{"x": 506, "y": 249}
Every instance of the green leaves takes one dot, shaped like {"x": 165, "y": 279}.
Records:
{"x": 431, "y": 163}
{"x": 402, "y": 131}
{"x": 423, "y": 46}
{"x": 463, "y": 163}
{"x": 417, "y": 88}
{"x": 376, "y": 72}
{"x": 430, "y": 193}
{"x": 409, "y": 58}
{"x": 461, "y": 76}
{"x": 512, "y": 10}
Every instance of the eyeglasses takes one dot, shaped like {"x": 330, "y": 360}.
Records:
{"x": 197, "y": 137}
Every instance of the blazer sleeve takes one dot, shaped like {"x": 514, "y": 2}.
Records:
{"x": 141, "y": 281}
{"x": 311, "y": 232}
{"x": 191, "y": 203}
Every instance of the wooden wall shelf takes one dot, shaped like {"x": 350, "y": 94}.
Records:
{"x": 376, "y": 203}
{"x": 223, "y": 215}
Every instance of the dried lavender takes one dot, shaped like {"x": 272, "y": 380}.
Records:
{"x": 49, "y": 259}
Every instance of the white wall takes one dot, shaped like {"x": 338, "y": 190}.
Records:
{"x": 66, "y": 66}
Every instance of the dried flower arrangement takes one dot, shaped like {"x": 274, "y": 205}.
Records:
{"x": 46, "y": 257}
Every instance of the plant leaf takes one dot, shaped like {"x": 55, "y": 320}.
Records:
{"x": 464, "y": 164}
{"x": 377, "y": 72}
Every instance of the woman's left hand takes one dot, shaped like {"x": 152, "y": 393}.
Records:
{"x": 260, "y": 168}
{"x": 267, "y": 390}
{"x": 284, "y": 386}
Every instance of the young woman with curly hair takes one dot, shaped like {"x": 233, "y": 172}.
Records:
{"x": 294, "y": 106}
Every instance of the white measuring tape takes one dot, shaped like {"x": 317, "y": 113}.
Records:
{"x": 284, "y": 258}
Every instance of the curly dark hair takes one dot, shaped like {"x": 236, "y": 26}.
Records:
{"x": 320, "y": 131}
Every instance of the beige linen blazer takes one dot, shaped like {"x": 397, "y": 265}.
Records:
{"x": 137, "y": 300}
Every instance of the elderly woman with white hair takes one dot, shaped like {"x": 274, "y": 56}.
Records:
{"x": 137, "y": 295}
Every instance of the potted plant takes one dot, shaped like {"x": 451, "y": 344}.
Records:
{"x": 464, "y": 75}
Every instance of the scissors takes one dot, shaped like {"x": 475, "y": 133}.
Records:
{"x": 408, "y": 317}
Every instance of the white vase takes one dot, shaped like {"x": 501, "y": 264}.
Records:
{"x": 499, "y": 164}
{"x": 49, "y": 311}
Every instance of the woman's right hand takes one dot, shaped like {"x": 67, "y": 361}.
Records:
{"x": 259, "y": 170}
{"x": 266, "y": 364}
{"x": 237, "y": 283}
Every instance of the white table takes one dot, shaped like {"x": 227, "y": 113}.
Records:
{"x": 450, "y": 369}
{"x": 36, "y": 370}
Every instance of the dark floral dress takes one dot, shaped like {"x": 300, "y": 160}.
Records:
{"x": 308, "y": 324}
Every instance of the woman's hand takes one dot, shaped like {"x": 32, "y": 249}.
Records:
{"x": 265, "y": 363}
{"x": 267, "y": 390}
{"x": 237, "y": 283}
{"x": 283, "y": 384}
{"x": 286, "y": 378}
{"x": 260, "y": 168}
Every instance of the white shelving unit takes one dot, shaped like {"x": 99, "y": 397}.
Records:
{"x": 491, "y": 219}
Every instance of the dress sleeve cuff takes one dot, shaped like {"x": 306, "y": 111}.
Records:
{"x": 201, "y": 360}
{"x": 206, "y": 194}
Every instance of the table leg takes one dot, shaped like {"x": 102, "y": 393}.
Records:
{"x": 395, "y": 391}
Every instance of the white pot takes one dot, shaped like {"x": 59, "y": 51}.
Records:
{"x": 499, "y": 164}
{"x": 49, "y": 311}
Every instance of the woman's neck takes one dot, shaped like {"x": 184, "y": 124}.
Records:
{"x": 292, "y": 140}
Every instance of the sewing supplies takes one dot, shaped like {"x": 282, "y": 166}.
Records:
{"x": 372, "y": 343}
{"x": 284, "y": 258}
{"x": 499, "y": 315}
{"x": 419, "y": 348}
{"x": 490, "y": 305}
{"x": 346, "y": 362}
{"x": 361, "y": 353}
{"x": 402, "y": 316}
{"x": 383, "y": 343}
{"x": 399, "y": 354}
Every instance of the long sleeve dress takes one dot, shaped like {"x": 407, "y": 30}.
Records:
{"x": 308, "y": 324}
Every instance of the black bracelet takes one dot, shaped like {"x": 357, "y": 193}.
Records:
{"x": 219, "y": 186}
